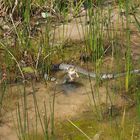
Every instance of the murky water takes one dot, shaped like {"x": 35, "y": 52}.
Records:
{"x": 71, "y": 87}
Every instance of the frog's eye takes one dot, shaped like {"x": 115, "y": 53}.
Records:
{"x": 70, "y": 68}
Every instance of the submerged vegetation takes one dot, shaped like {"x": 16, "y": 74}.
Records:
{"x": 36, "y": 36}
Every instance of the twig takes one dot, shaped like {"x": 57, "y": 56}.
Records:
{"x": 79, "y": 129}
{"x": 15, "y": 5}
{"x": 38, "y": 55}
{"x": 15, "y": 27}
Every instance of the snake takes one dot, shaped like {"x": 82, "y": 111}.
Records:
{"x": 102, "y": 76}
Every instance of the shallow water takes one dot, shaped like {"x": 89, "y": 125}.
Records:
{"x": 70, "y": 87}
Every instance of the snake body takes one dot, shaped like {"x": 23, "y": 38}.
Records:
{"x": 102, "y": 76}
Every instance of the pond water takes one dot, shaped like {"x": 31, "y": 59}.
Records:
{"x": 86, "y": 108}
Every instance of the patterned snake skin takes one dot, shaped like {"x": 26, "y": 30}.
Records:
{"x": 102, "y": 76}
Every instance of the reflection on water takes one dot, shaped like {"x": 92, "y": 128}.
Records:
{"x": 71, "y": 86}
